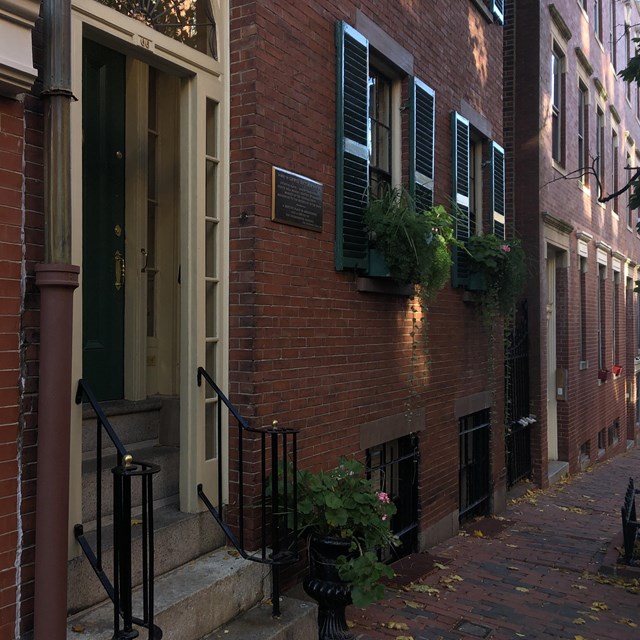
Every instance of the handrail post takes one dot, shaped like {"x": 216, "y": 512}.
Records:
{"x": 124, "y": 555}
{"x": 275, "y": 535}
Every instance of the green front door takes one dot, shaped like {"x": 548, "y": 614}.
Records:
{"x": 103, "y": 227}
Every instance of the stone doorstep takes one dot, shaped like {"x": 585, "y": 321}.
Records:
{"x": 178, "y": 537}
{"x": 190, "y": 601}
{"x": 298, "y": 621}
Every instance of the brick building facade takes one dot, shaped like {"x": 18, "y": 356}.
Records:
{"x": 575, "y": 126}
{"x": 326, "y": 351}
{"x": 289, "y": 322}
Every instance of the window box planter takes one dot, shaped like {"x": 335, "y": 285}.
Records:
{"x": 603, "y": 374}
{"x": 477, "y": 281}
{"x": 616, "y": 369}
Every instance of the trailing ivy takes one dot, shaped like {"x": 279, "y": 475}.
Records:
{"x": 416, "y": 245}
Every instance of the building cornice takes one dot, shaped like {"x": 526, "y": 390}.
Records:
{"x": 603, "y": 246}
{"x": 561, "y": 25}
{"x": 600, "y": 88}
{"x": 17, "y": 19}
{"x": 556, "y": 223}
{"x": 584, "y": 62}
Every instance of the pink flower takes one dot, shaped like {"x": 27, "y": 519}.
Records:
{"x": 384, "y": 517}
{"x": 383, "y": 497}
{"x": 505, "y": 247}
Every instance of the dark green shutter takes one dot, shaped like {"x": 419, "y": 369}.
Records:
{"x": 352, "y": 171}
{"x": 497, "y": 190}
{"x": 460, "y": 164}
{"x": 497, "y": 8}
{"x": 421, "y": 143}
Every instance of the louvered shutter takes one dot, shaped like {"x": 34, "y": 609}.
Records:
{"x": 497, "y": 8}
{"x": 352, "y": 171}
{"x": 497, "y": 190}
{"x": 460, "y": 163}
{"x": 421, "y": 143}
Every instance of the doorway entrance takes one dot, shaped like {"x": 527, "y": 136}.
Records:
{"x": 130, "y": 235}
{"x": 150, "y": 140}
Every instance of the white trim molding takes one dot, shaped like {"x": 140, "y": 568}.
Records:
{"x": 17, "y": 19}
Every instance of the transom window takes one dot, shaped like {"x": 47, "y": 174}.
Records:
{"x": 188, "y": 21}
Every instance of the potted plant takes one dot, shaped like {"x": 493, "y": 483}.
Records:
{"x": 603, "y": 374}
{"x": 346, "y": 523}
{"x": 497, "y": 273}
{"x": 616, "y": 369}
{"x": 414, "y": 244}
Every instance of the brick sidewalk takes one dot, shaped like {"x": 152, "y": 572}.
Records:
{"x": 534, "y": 575}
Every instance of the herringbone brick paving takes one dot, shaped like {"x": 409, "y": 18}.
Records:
{"x": 541, "y": 571}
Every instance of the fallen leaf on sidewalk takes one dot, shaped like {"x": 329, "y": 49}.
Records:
{"x": 400, "y": 626}
{"x": 579, "y": 586}
{"x": 478, "y": 534}
{"x": 438, "y": 565}
{"x": 522, "y": 589}
{"x": 599, "y": 606}
{"x": 424, "y": 588}
{"x": 628, "y": 622}
{"x": 78, "y": 628}
{"x": 573, "y": 509}
{"x": 579, "y": 621}
{"x": 404, "y": 638}
{"x": 513, "y": 568}
{"x": 413, "y": 605}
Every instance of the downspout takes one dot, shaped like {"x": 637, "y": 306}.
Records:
{"x": 57, "y": 279}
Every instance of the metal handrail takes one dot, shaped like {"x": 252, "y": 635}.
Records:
{"x": 126, "y": 468}
{"x": 630, "y": 524}
{"x": 279, "y": 491}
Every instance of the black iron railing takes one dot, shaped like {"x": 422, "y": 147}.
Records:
{"x": 630, "y": 524}
{"x": 393, "y": 468}
{"x": 518, "y": 450}
{"x": 518, "y": 413}
{"x": 121, "y": 590}
{"x": 278, "y": 490}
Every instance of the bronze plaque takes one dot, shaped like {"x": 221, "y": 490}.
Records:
{"x": 296, "y": 200}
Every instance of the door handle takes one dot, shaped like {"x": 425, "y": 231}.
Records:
{"x": 118, "y": 260}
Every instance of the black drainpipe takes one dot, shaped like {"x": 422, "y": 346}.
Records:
{"x": 57, "y": 279}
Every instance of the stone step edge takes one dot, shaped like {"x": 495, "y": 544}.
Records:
{"x": 203, "y": 535}
{"x": 298, "y": 621}
{"x": 195, "y": 598}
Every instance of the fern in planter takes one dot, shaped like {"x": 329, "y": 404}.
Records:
{"x": 415, "y": 244}
{"x": 498, "y": 271}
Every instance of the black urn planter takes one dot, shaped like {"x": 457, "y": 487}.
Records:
{"x": 323, "y": 584}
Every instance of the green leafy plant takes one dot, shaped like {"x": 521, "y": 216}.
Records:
{"x": 416, "y": 245}
{"x": 499, "y": 266}
{"x": 342, "y": 503}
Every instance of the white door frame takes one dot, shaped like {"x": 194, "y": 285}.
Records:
{"x": 552, "y": 315}
{"x": 203, "y": 80}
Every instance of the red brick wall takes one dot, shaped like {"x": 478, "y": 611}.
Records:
{"x": 307, "y": 348}
{"x": 540, "y": 188}
{"x": 34, "y": 238}
{"x": 11, "y": 184}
